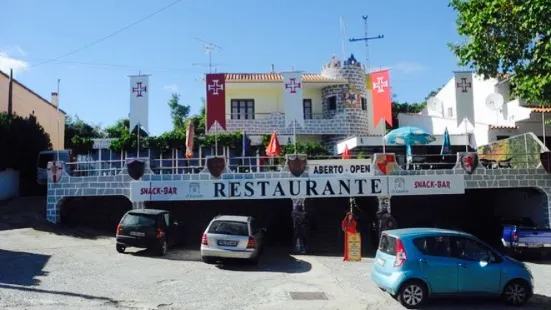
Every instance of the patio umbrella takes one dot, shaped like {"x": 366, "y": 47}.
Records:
{"x": 446, "y": 145}
{"x": 190, "y": 133}
{"x": 408, "y": 136}
{"x": 273, "y": 148}
{"x": 346, "y": 153}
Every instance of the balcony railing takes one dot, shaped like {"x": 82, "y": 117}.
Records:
{"x": 257, "y": 164}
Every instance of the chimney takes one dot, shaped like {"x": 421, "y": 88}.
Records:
{"x": 55, "y": 99}
{"x": 273, "y": 68}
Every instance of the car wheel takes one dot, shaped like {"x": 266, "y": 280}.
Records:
{"x": 207, "y": 260}
{"x": 121, "y": 248}
{"x": 162, "y": 247}
{"x": 254, "y": 261}
{"x": 516, "y": 293}
{"x": 412, "y": 294}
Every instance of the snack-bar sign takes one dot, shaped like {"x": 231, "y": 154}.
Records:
{"x": 339, "y": 167}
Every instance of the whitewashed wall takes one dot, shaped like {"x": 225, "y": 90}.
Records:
{"x": 9, "y": 184}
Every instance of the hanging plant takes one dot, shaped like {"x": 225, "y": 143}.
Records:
{"x": 81, "y": 145}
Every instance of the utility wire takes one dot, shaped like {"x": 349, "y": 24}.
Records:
{"x": 104, "y": 65}
{"x": 110, "y": 35}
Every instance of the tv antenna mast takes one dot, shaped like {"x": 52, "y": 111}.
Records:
{"x": 209, "y": 48}
{"x": 366, "y": 40}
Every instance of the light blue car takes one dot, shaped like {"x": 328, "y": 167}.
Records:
{"x": 414, "y": 264}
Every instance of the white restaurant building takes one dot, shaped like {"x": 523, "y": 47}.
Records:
{"x": 514, "y": 117}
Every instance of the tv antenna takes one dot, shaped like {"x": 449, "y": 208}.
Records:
{"x": 209, "y": 48}
{"x": 366, "y": 40}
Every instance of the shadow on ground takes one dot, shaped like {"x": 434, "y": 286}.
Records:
{"x": 106, "y": 300}
{"x": 21, "y": 268}
{"x": 538, "y": 302}
{"x": 272, "y": 260}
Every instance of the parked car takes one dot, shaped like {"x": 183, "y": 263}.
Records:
{"x": 235, "y": 237}
{"x": 521, "y": 235}
{"x": 148, "y": 228}
{"x": 414, "y": 264}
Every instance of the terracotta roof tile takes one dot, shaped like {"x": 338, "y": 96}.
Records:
{"x": 503, "y": 127}
{"x": 541, "y": 109}
{"x": 275, "y": 77}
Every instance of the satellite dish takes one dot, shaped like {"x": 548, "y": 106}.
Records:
{"x": 435, "y": 105}
{"x": 494, "y": 101}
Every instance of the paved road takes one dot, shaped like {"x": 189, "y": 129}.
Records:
{"x": 45, "y": 270}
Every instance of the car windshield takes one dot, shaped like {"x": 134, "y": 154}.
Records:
{"x": 229, "y": 228}
{"x": 133, "y": 219}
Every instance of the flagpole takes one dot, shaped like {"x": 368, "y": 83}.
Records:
{"x": 138, "y": 142}
{"x": 466, "y": 136}
{"x": 216, "y": 138}
{"x": 295, "y": 134}
{"x": 57, "y": 116}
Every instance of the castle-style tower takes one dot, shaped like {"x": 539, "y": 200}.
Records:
{"x": 351, "y": 102}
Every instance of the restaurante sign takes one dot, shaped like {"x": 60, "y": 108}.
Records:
{"x": 258, "y": 189}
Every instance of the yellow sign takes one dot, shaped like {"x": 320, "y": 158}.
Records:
{"x": 354, "y": 247}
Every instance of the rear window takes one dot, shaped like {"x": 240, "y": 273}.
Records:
{"x": 387, "y": 244}
{"x": 133, "y": 219}
{"x": 229, "y": 228}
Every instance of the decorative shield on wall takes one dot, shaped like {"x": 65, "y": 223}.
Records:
{"x": 216, "y": 166}
{"x": 545, "y": 159}
{"x": 296, "y": 164}
{"x": 385, "y": 163}
{"x": 55, "y": 171}
{"x": 469, "y": 162}
{"x": 135, "y": 168}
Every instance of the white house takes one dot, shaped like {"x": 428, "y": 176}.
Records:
{"x": 512, "y": 118}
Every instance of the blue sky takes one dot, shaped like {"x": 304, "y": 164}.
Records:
{"x": 253, "y": 34}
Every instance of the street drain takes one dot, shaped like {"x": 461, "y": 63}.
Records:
{"x": 308, "y": 295}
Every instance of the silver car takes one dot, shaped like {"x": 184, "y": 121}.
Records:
{"x": 235, "y": 237}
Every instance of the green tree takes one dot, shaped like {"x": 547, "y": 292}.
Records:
{"x": 178, "y": 112}
{"x": 508, "y": 36}
{"x": 199, "y": 120}
{"x": 79, "y": 135}
{"x": 21, "y": 140}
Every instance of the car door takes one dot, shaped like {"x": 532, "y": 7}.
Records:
{"x": 479, "y": 267}
{"x": 437, "y": 264}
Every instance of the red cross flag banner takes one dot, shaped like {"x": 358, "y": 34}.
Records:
{"x": 216, "y": 100}
{"x": 292, "y": 98}
{"x": 382, "y": 99}
{"x": 464, "y": 100}
{"x": 139, "y": 102}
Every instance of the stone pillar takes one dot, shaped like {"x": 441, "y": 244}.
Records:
{"x": 300, "y": 226}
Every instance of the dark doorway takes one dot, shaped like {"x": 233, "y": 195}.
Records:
{"x": 325, "y": 217}
{"x": 478, "y": 212}
{"x": 274, "y": 215}
{"x": 98, "y": 212}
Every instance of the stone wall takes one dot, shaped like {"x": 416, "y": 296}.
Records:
{"x": 120, "y": 184}
{"x": 349, "y": 120}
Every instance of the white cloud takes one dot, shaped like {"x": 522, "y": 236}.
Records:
{"x": 7, "y": 63}
{"x": 171, "y": 88}
{"x": 408, "y": 67}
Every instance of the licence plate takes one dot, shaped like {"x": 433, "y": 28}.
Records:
{"x": 380, "y": 261}
{"x": 137, "y": 234}
{"x": 227, "y": 242}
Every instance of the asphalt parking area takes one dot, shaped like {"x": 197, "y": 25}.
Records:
{"x": 48, "y": 270}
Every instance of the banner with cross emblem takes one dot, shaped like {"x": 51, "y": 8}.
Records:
{"x": 292, "y": 98}
{"x": 139, "y": 102}
{"x": 464, "y": 100}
